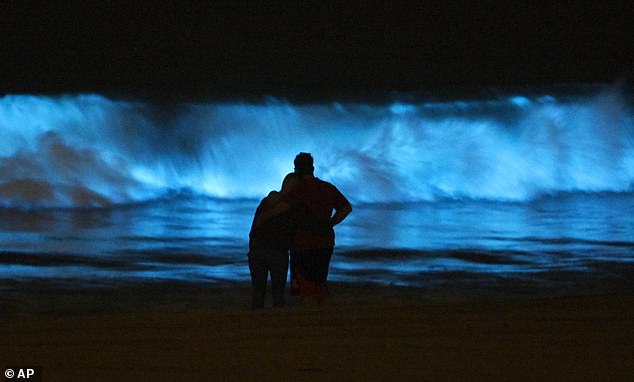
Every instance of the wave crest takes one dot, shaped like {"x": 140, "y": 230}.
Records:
{"x": 87, "y": 150}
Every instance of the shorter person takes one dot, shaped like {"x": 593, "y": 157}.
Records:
{"x": 269, "y": 244}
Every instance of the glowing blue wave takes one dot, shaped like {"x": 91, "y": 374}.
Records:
{"x": 87, "y": 150}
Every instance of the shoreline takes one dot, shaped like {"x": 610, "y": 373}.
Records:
{"x": 32, "y": 298}
{"x": 363, "y": 333}
{"x": 71, "y": 298}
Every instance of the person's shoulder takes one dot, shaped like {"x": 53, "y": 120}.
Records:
{"x": 333, "y": 191}
{"x": 326, "y": 184}
{"x": 323, "y": 182}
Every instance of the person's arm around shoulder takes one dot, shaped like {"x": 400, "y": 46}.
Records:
{"x": 282, "y": 204}
{"x": 270, "y": 213}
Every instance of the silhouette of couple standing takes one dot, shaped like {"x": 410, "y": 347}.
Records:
{"x": 299, "y": 218}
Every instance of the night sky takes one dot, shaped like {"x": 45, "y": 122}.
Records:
{"x": 234, "y": 49}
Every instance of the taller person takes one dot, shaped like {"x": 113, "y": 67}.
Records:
{"x": 314, "y": 238}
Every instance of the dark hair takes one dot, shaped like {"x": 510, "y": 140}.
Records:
{"x": 289, "y": 182}
{"x": 303, "y": 164}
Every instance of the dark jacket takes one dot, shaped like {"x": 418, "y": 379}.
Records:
{"x": 273, "y": 234}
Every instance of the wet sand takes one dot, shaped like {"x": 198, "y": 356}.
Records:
{"x": 185, "y": 333}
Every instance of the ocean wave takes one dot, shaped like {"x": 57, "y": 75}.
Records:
{"x": 81, "y": 151}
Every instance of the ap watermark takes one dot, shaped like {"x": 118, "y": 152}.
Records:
{"x": 23, "y": 373}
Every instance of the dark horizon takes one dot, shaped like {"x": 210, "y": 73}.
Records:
{"x": 230, "y": 50}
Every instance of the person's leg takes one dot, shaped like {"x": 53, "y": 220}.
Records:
{"x": 259, "y": 274}
{"x": 306, "y": 291}
{"x": 306, "y": 274}
{"x": 322, "y": 265}
{"x": 278, "y": 261}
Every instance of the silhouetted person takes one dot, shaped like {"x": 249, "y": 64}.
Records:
{"x": 269, "y": 244}
{"x": 314, "y": 239}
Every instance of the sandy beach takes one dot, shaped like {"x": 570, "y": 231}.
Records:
{"x": 364, "y": 333}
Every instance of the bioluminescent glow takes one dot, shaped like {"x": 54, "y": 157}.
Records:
{"x": 87, "y": 150}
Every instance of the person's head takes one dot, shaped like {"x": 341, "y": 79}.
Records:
{"x": 290, "y": 181}
{"x": 304, "y": 164}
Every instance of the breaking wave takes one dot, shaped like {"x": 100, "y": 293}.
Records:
{"x": 91, "y": 151}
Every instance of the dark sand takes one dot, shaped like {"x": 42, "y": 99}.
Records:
{"x": 187, "y": 333}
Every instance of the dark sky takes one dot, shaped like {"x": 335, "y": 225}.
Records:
{"x": 227, "y": 49}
